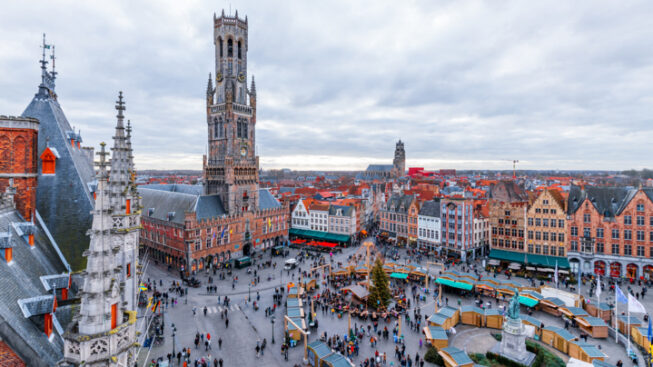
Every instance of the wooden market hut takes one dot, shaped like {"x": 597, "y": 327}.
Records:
{"x": 622, "y": 322}
{"x": 602, "y": 310}
{"x": 594, "y": 326}
{"x": 640, "y": 337}
{"x": 573, "y": 312}
{"x": 454, "y": 357}
{"x": 436, "y": 336}
{"x": 295, "y": 292}
{"x": 486, "y": 288}
{"x": 292, "y": 330}
{"x": 294, "y": 312}
{"x": 585, "y": 352}
{"x": 358, "y": 292}
{"x": 294, "y": 302}
{"x": 493, "y": 319}
{"x": 552, "y": 305}
{"x": 536, "y": 323}
{"x": 472, "y": 315}
{"x": 558, "y": 338}
{"x": 505, "y": 291}
{"x": 317, "y": 350}
{"x": 599, "y": 363}
{"x": 447, "y": 317}
{"x": 335, "y": 360}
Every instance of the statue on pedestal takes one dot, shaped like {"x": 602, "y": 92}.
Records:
{"x": 513, "y": 307}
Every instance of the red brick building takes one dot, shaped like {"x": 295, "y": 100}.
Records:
{"x": 610, "y": 231}
{"x": 194, "y": 226}
{"x": 18, "y": 160}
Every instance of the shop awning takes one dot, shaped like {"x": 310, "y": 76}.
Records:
{"x": 530, "y": 259}
{"x": 493, "y": 262}
{"x": 399, "y": 275}
{"x": 324, "y": 236}
{"x": 528, "y": 302}
{"x": 454, "y": 284}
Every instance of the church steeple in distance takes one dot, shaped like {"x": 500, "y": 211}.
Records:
{"x": 231, "y": 168}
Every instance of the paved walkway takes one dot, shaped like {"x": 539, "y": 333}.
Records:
{"x": 247, "y": 326}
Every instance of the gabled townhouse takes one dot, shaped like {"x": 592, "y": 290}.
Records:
{"x": 610, "y": 231}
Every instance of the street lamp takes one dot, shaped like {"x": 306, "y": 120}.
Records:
{"x": 272, "y": 321}
{"x": 174, "y": 330}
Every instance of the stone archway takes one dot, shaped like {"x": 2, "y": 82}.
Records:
{"x": 615, "y": 269}
{"x": 599, "y": 267}
{"x": 632, "y": 271}
{"x": 574, "y": 265}
{"x": 247, "y": 248}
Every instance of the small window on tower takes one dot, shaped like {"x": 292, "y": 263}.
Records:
{"x": 129, "y": 270}
{"x": 220, "y": 45}
{"x": 230, "y": 48}
{"x": 240, "y": 56}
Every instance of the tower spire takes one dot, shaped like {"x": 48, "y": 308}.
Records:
{"x": 252, "y": 89}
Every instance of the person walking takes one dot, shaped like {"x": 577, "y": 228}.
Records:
{"x": 258, "y": 350}
{"x": 219, "y": 343}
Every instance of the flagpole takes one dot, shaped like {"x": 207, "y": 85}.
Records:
{"x": 616, "y": 315}
{"x": 628, "y": 326}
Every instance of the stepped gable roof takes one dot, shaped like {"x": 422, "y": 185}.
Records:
{"x": 557, "y": 196}
{"x": 399, "y": 203}
{"x": 508, "y": 191}
{"x": 608, "y": 201}
{"x": 430, "y": 208}
{"x": 379, "y": 168}
{"x": 20, "y": 280}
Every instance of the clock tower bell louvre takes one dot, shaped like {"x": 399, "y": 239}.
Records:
{"x": 231, "y": 168}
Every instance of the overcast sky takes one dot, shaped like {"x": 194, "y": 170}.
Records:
{"x": 465, "y": 84}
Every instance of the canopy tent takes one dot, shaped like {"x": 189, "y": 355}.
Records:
{"x": 529, "y": 302}
{"x": 530, "y": 259}
{"x": 454, "y": 284}
{"x": 317, "y": 235}
{"x": 399, "y": 276}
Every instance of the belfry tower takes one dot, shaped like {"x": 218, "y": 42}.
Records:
{"x": 231, "y": 168}
{"x": 399, "y": 162}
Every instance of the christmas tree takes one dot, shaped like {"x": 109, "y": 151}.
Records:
{"x": 379, "y": 289}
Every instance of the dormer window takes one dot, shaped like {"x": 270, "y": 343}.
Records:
{"x": 49, "y": 161}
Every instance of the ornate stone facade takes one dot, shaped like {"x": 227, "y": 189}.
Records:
{"x": 104, "y": 332}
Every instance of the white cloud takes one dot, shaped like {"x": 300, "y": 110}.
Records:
{"x": 465, "y": 84}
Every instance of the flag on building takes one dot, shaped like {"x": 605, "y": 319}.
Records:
{"x": 223, "y": 229}
{"x": 621, "y": 297}
{"x": 634, "y": 305}
{"x": 555, "y": 274}
{"x": 650, "y": 334}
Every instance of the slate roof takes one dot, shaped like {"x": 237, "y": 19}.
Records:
{"x": 64, "y": 200}
{"x": 20, "y": 280}
{"x": 379, "y": 168}
{"x": 399, "y": 203}
{"x": 179, "y": 199}
{"x": 35, "y": 306}
{"x": 55, "y": 281}
{"x": 608, "y": 201}
{"x": 266, "y": 200}
{"x": 346, "y": 210}
{"x": 157, "y": 204}
{"x": 430, "y": 208}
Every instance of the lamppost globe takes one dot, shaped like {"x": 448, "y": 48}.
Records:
{"x": 272, "y": 321}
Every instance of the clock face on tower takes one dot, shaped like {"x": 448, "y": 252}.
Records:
{"x": 243, "y": 151}
{"x": 241, "y": 77}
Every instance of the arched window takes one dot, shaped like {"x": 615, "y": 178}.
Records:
{"x": 220, "y": 45}
{"x": 240, "y": 55}
{"x": 216, "y": 128}
{"x": 230, "y": 48}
